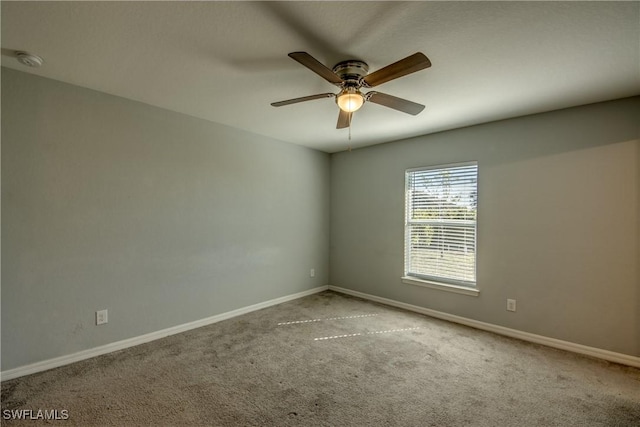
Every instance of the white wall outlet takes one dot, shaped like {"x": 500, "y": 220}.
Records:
{"x": 312, "y": 272}
{"x": 511, "y": 305}
{"x": 102, "y": 317}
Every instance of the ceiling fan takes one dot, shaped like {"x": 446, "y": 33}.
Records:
{"x": 352, "y": 75}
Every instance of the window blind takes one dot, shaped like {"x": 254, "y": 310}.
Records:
{"x": 440, "y": 226}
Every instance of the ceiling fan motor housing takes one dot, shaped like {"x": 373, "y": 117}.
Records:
{"x": 351, "y": 71}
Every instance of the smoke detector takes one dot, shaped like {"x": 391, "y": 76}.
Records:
{"x": 29, "y": 59}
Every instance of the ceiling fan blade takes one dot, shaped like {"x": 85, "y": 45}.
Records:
{"x": 303, "y": 99}
{"x": 410, "y": 64}
{"x": 316, "y": 66}
{"x": 394, "y": 102}
{"x": 344, "y": 119}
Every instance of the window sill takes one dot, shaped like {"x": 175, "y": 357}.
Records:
{"x": 440, "y": 286}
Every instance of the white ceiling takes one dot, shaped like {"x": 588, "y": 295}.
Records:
{"x": 227, "y": 61}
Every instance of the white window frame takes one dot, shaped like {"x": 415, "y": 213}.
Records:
{"x": 451, "y": 284}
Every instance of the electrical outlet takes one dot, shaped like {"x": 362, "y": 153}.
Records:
{"x": 511, "y": 305}
{"x": 102, "y": 317}
{"x": 312, "y": 272}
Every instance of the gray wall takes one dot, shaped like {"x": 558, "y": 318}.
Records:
{"x": 558, "y": 222}
{"x": 158, "y": 217}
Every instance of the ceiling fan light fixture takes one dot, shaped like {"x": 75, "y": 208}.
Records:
{"x": 350, "y": 99}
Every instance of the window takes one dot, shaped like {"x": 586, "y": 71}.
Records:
{"x": 440, "y": 227}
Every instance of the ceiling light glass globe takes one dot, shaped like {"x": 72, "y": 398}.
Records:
{"x": 350, "y": 100}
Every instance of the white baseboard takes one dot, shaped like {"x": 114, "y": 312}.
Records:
{"x": 610, "y": 356}
{"x": 131, "y": 342}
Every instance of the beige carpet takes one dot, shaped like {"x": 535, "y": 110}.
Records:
{"x": 333, "y": 360}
